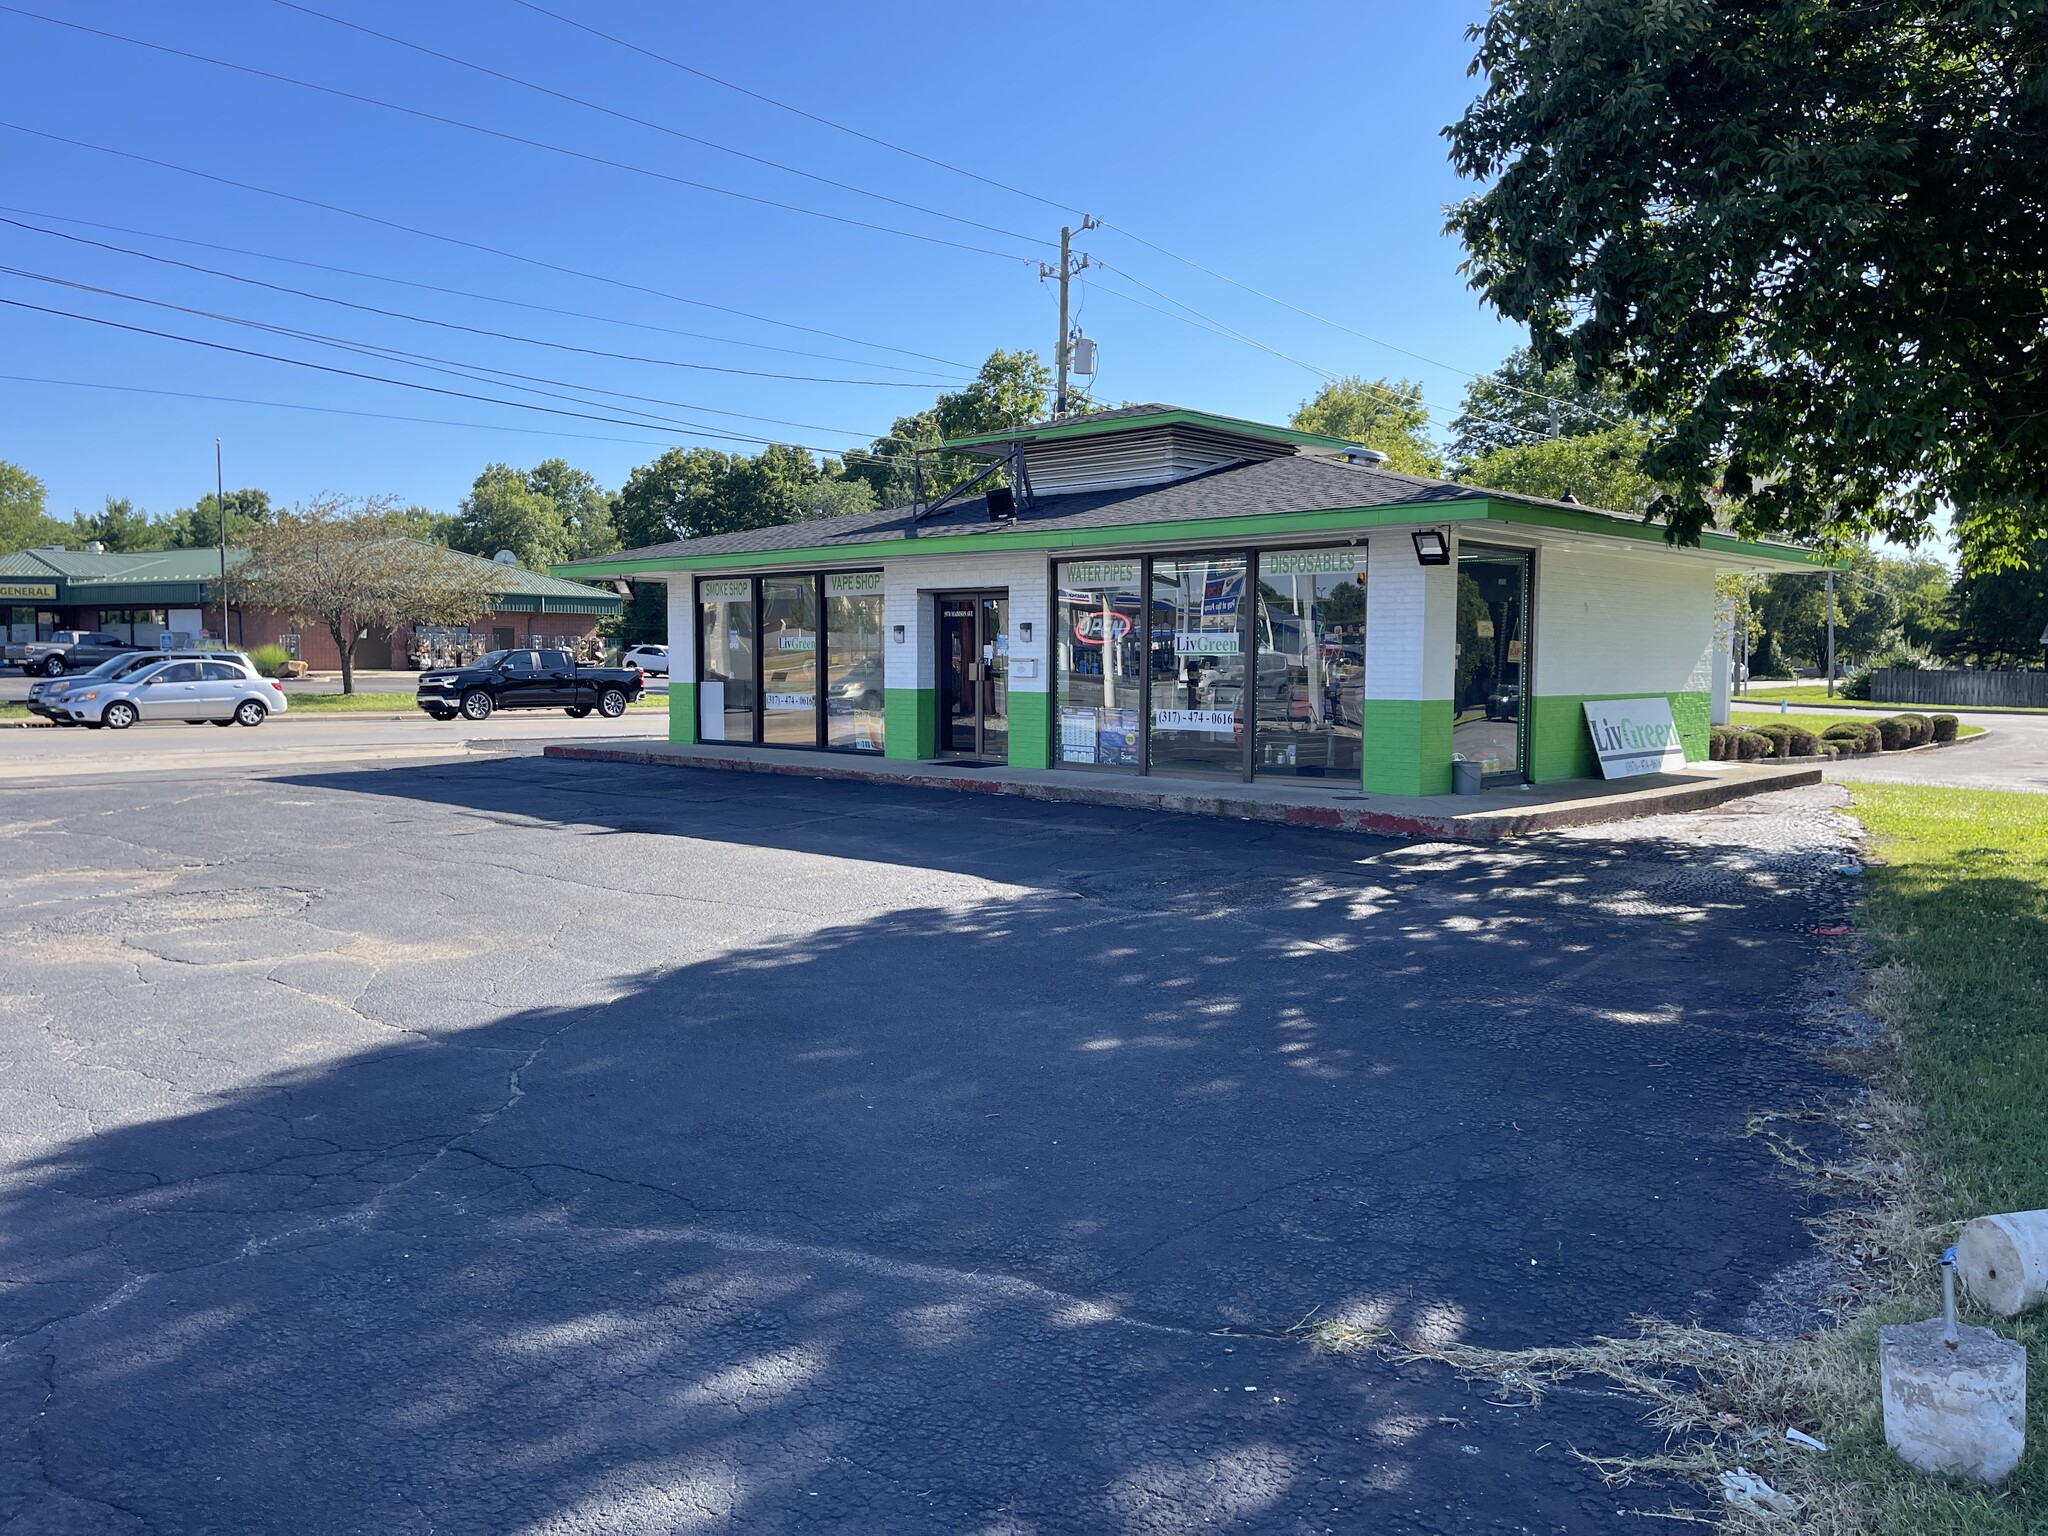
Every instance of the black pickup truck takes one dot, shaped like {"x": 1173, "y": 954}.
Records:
{"x": 528, "y": 680}
{"x": 70, "y": 650}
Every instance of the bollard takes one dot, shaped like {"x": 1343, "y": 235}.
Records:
{"x": 1955, "y": 1398}
{"x": 2004, "y": 1260}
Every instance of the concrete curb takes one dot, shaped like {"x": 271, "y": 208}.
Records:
{"x": 1478, "y": 826}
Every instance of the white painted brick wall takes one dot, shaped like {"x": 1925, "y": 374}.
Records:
{"x": 908, "y": 585}
{"x": 1621, "y": 623}
{"x": 1410, "y": 621}
{"x": 682, "y": 630}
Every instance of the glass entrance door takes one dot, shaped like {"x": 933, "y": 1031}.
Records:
{"x": 974, "y": 675}
{"x": 1491, "y": 723}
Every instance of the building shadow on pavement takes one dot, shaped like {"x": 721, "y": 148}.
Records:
{"x": 987, "y": 1215}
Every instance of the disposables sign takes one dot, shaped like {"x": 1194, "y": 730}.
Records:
{"x": 1312, "y": 562}
{"x": 1632, "y": 736}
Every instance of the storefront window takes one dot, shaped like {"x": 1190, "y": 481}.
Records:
{"x": 1492, "y": 664}
{"x": 138, "y": 626}
{"x": 1198, "y": 666}
{"x": 853, "y": 660}
{"x": 1100, "y": 655}
{"x": 725, "y": 650}
{"x": 789, "y": 661}
{"x": 1311, "y": 667}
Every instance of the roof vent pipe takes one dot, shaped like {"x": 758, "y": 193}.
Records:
{"x": 1369, "y": 457}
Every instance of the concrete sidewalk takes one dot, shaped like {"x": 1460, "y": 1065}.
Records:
{"x": 1465, "y": 818}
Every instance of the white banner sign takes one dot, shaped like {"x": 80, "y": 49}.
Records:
{"x": 1632, "y": 736}
{"x": 1215, "y": 722}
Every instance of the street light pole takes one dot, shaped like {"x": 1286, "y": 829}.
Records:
{"x": 1831, "y": 634}
{"x": 220, "y": 507}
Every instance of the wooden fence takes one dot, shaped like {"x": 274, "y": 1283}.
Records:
{"x": 1960, "y": 689}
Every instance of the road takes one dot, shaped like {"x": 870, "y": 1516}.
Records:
{"x": 2014, "y": 756}
{"x": 501, "y": 1144}
{"x": 44, "y": 754}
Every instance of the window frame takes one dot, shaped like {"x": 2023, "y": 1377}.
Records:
{"x": 820, "y": 734}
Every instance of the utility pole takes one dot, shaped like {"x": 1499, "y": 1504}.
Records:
{"x": 1068, "y": 268}
{"x": 1831, "y": 633}
{"x": 220, "y": 507}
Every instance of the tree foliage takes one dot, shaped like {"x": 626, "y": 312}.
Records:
{"x": 2001, "y": 615}
{"x": 1012, "y": 389}
{"x": 1521, "y": 402}
{"x": 337, "y": 563}
{"x": 123, "y": 527}
{"x": 23, "y": 522}
{"x": 1375, "y": 413}
{"x": 689, "y": 493}
{"x": 546, "y": 514}
{"x": 1602, "y": 469}
{"x": 198, "y": 526}
{"x": 1806, "y": 236}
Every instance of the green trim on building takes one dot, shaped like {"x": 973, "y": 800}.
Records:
{"x": 1407, "y": 747}
{"x": 1561, "y": 748}
{"x": 682, "y": 713}
{"x": 1479, "y": 508}
{"x": 1085, "y": 426}
{"x": 1030, "y": 729}
{"x": 910, "y": 723}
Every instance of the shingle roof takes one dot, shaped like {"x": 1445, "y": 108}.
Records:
{"x": 1291, "y": 484}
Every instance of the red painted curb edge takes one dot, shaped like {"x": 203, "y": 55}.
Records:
{"x": 1477, "y": 827}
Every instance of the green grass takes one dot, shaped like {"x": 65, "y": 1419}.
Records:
{"x": 1817, "y": 693}
{"x": 1958, "y": 899}
{"x": 13, "y": 711}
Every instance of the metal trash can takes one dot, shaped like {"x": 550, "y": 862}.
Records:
{"x": 1467, "y": 778}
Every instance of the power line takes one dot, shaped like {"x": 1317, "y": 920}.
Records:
{"x": 930, "y": 379}
{"x": 691, "y": 69}
{"x": 427, "y": 361}
{"x": 677, "y": 133}
{"x": 473, "y": 245}
{"x": 473, "y": 330}
{"x": 514, "y": 138}
{"x": 433, "y": 389}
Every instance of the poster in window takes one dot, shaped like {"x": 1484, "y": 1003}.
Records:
{"x": 1116, "y": 738}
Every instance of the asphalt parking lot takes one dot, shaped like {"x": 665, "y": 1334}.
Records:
{"x": 518, "y": 1145}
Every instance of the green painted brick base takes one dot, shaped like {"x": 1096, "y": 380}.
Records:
{"x": 682, "y": 713}
{"x": 1560, "y": 747}
{"x": 910, "y": 723}
{"x": 1407, "y": 747}
{"x": 1030, "y": 730}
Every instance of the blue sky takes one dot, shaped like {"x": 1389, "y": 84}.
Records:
{"x": 1294, "y": 148}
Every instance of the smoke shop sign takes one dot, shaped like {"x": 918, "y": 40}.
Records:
{"x": 1632, "y": 736}
{"x": 725, "y": 591}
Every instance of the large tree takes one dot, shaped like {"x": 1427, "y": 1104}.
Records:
{"x": 1602, "y": 469}
{"x": 1523, "y": 402}
{"x": 2001, "y": 616}
{"x": 1012, "y": 389}
{"x": 199, "y": 527}
{"x": 121, "y": 526}
{"x": 23, "y": 522}
{"x": 1375, "y": 413}
{"x": 337, "y": 563}
{"x": 582, "y": 503}
{"x": 1808, "y": 237}
{"x": 689, "y": 493}
{"x": 546, "y": 514}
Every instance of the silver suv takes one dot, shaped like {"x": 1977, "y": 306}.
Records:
{"x": 224, "y": 692}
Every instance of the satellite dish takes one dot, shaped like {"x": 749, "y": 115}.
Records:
{"x": 505, "y": 557}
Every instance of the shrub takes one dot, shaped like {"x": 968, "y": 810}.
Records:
{"x": 1852, "y": 737}
{"x": 268, "y": 658}
{"x": 1944, "y": 727}
{"x": 1779, "y": 736}
{"x": 1749, "y": 746}
{"x": 1901, "y": 655}
{"x": 1718, "y": 738}
{"x": 1804, "y": 744}
{"x": 1923, "y": 728}
{"x": 1895, "y": 732}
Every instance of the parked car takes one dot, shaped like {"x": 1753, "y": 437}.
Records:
{"x": 528, "y": 680}
{"x": 651, "y": 659}
{"x": 224, "y": 692}
{"x": 1504, "y": 703}
{"x": 46, "y": 696}
{"x": 860, "y": 685}
{"x": 71, "y": 650}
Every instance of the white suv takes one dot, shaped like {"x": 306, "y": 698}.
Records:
{"x": 651, "y": 659}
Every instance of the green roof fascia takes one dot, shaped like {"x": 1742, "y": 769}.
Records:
{"x": 1283, "y": 524}
{"x": 136, "y": 594}
{"x": 527, "y": 602}
{"x": 1567, "y": 519}
{"x": 1082, "y": 426}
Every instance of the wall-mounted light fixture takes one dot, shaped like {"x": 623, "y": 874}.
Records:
{"x": 1431, "y": 547}
{"x": 899, "y": 634}
{"x": 1024, "y": 631}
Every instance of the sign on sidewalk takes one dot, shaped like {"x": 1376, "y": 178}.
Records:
{"x": 1632, "y": 736}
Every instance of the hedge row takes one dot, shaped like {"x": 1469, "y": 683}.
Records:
{"x": 1846, "y": 738}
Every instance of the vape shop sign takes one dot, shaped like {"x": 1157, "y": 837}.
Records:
{"x": 1633, "y": 736}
